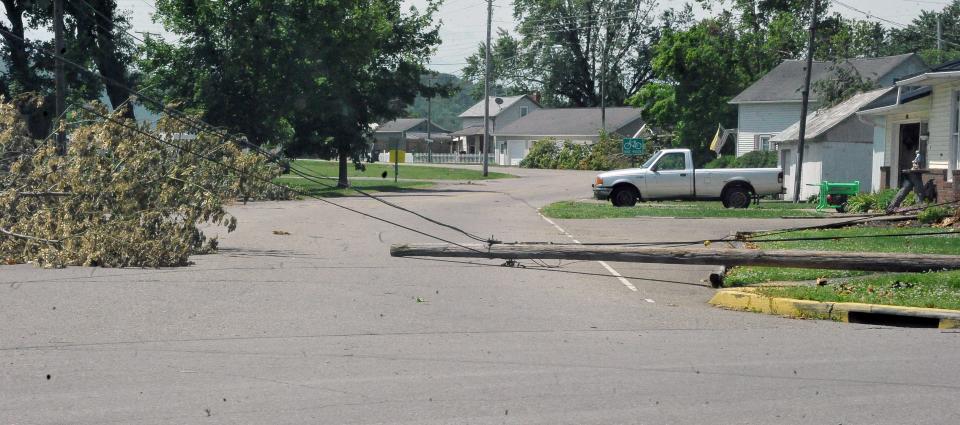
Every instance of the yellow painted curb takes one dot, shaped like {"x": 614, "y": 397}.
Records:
{"x": 745, "y": 299}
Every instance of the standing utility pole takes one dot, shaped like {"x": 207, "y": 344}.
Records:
{"x": 806, "y": 101}
{"x": 939, "y": 41}
{"x": 603, "y": 102}
{"x": 429, "y": 127}
{"x": 486, "y": 91}
{"x": 60, "y": 81}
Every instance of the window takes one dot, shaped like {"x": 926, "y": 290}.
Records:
{"x": 955, "y": 132}
{"x": 762, "y": 142}
{"x": 524, "y": 110}
{"x": 671, "y": 162}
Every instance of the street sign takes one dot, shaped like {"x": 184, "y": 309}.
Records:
{"x": 634, "y": 146}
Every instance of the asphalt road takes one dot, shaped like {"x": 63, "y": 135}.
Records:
{"x": 322, "y": 326}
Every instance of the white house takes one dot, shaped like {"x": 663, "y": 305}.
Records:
{"x": 503, "y": 111}
{"x": 924, "y": 116}
{"x": 773, "y": 103}
{"x": 578, "y": 125}
{"x": 838, "y": 146}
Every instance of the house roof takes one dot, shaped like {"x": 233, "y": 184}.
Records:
{"x": 477, "y": 109}
{"x": 569, "y": 122}
{"x": 405, "y": 124}
{"x": 822, "y": 120}
{"x": 785, "y": 82}
{"x": 469, "y": 131}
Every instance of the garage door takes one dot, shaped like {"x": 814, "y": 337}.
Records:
{"x": 515, "y": 151}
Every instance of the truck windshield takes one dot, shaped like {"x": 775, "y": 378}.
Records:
{"x": 650, "y": 161}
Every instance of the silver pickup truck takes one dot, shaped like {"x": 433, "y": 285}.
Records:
{"x": 670, "y": 175}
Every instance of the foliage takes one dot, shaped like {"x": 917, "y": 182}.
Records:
{"x": 543, "y": 154}
{"x": 563, "y": 48}
{"x": 445, "y": 111}
{"x": 753, "y": 159}
{"x": 320, "y": 72}
{"x": 929, "y": 290}
{"x": 96, "y": 37}
{"x": 845, "y": 82}
{"x": 934, "y": 215}
{"x": 876, "y": 201}
{"x": 118, "y": 197}
{"x": 919, "y": 35}
{"x": 605, "y": 154}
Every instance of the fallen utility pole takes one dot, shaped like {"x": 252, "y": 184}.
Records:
{"x": 837, "y": 260}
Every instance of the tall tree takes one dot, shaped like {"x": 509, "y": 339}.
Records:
{"x": 311, "y": 75}
{"x": 568, "y": 49}
{"x": 920, "y": 35}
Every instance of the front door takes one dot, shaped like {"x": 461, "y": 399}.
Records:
{"x": 671, "y": 180}
{"x": 909, "y": 144}
{"x": 515, "y": 151}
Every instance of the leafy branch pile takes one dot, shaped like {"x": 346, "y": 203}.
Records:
{"x": 605, "y": 154}
{"x": 118, "y": 197}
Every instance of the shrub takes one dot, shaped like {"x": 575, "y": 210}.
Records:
{"x": 877, "y": 201}
{"x": 934, "y": 215}
{"x": 117, "y": 197}
{"x": 755, "y": 159}
{"x": 572, "y": 155}
{"x": 543, "y": 154}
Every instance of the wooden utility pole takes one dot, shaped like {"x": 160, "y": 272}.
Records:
{"x": 486, "y": 91}
{"x": 837, "y": 260}
{"x": 59, "y": 78}
{"x": 806, "y": 101}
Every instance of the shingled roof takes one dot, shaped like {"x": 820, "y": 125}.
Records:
{"x": 477, "y": 109}
{"x": 785, "y": 82}
{"x": 569, "y": 122}
{"x": 823, "y": 120}
{"x": 405, "y": 124}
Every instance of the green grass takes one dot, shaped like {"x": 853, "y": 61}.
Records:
{"x": 316, "y": 189}
{"x": 706, "y": 209}
{"x": 417, "y": 172}
{"x": 933, "y": 244}
{"x": 933, "y": 289}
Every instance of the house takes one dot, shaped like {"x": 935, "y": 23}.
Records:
{"x": 411, "y": 135}
{"x": 923, "y": 116}
{"x": 838, "y": 146}
{"x": 773, "y": 103}
{"x": 503, "y": 111}
{"x": 578, "y": 125}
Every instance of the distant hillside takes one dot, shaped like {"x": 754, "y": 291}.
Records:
{"x": 445, "y": 110}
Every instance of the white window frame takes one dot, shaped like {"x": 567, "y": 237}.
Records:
{"x": 758, "y": 142}
{"x": 954, "y": 134}
{"x": 524, "y": 110}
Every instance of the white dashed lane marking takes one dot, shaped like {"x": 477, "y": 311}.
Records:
{"x": 613, "y": 272}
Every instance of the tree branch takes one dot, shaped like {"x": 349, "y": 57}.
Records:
{"x": 28, "y": 237}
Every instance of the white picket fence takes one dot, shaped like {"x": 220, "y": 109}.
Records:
{"x": 441, "y": 158}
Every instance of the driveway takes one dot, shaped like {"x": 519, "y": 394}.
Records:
{"x": 323, "y": 326}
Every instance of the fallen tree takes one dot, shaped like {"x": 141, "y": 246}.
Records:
{"x": 119, "y": 197}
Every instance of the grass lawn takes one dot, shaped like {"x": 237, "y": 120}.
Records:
{"x": 316, "y": 189}
{"x": 932, "y": 289}
{"x": 330, "y": 169}
{"x": 706, "y": 209}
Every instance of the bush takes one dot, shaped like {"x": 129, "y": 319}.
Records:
{"x": 933, "y": 215}
{"x": 543, "y": 154}
{"x": 603, "y": 155}
{"x": 755, "y": 159}
{"x": 878, "y": 201}
{"x": 117, "y": 197}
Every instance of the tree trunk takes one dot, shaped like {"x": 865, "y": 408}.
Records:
{"x": 105, "y": 53}
{"x": 342, "y": 181}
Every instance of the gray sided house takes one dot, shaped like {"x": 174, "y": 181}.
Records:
{"x": 410, "y": 135}
{"x": 838, "y": 146}
{"x": 510, "y": 109}
{"x": 577, "y": 125}
{"x": 773, "y": 103}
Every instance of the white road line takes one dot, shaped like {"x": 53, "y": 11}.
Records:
{"x": 612, "y": 271}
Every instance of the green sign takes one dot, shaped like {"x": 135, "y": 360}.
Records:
{"x": 634, "y": 146}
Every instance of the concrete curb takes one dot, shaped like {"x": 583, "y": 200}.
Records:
{"x": 745, "y": 299}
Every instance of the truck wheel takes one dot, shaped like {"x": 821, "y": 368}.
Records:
{"x": 624, "y": 197}
{"x": 736, "y": 197}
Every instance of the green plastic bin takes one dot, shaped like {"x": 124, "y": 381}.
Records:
{"x": 835, "y": 195}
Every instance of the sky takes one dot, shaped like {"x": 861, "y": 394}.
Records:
{"x": 464, "y": 21}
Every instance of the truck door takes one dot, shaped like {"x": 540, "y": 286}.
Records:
{"x": 670, "y": 178}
